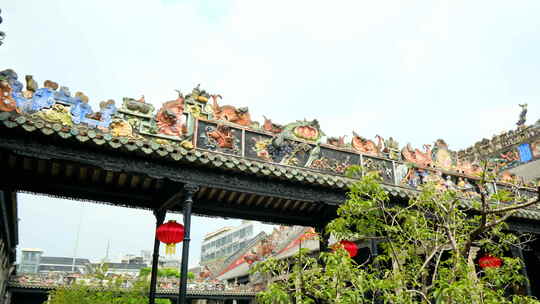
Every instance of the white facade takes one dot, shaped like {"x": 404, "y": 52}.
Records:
{"x": 30, "y": 260}
{"x": 147, "y": 256}
{"x": 225, "y": 242}
{"x": 169, "y": 262}
{"x": 124, "y": 268}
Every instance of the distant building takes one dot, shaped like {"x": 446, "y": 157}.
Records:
{"x": 124, "y": 268}
{"x": 168, "y": 262}
{"x": 147, "y": 256}
{"x": 63, "y": 264}
{"x": 30, "y": 259}
{"x": 225, "y": 241}
{"x": 132, "y": 259}
{"x": 33, "y": 261}
{"x": 282, "y": 243}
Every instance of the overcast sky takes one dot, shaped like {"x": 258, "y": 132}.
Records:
{"x": 414, "y": 70}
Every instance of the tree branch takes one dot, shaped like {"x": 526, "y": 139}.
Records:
{"x": 515, "y": 207}
{"x": 502, "y": 219}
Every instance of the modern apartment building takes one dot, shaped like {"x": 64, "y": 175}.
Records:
{"x": 33, "y": 261}
{"x": 63, "y": 264}
{"x": 30, "y": 260}
{"x": 225, "y": 241}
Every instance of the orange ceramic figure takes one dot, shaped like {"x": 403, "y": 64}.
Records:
{"x": 416, "y": 156}
{"x": 7, "y": 103}
{"x": 468, "y": 168}
{"x": 170, "y": 118}
{"x": 223, "y": 136}
{"x": 364, "y": 145}
{"x": 336, "y": 141}
{"x": 271, "y": 127}
{"x": 232, "y": 114}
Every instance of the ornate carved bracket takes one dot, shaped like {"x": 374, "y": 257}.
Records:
{"x": 190, "y": 190}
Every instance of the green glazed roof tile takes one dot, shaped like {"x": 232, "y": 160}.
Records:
{"x": 208, "y": 158}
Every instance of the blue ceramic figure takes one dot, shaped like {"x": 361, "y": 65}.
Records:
{"x": 64, "y": 96}
{"x": 103, "y": 117}
{"x": 80, "y": 111}
{"x": 43, "y": 98}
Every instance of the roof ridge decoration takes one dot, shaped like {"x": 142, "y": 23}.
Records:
{"x": 226, "y": 136}
{"x": 194, "y": 290}
{"x": 264, "y": 246}
{"x": 504, "y": 148}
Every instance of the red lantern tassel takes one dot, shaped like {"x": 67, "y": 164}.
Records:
{"x": 170, "y": 249}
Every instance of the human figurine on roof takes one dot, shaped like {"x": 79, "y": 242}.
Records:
{"x": 522, "y": 116}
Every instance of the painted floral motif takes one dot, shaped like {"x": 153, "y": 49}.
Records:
{"x": 333, "y": 165}
{"x": 289, "y": 152}
{"x": 220, "y": 137}
{"x": 260, "y": 148}
{"x": 384, "y": 168}
{"x": 280, "y": 150}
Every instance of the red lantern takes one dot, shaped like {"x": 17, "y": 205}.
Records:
{"x": 170, "y": 233}
{"x": 351, "y": 247}
{"x": 488, "y": 261}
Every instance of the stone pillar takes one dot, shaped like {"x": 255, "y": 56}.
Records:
{"x": 160, "y": 217}
{"x": 189, "y": 191}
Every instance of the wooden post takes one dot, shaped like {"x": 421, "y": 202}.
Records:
{"x": 160, "y": 217}
{"x": 189, "y": 191}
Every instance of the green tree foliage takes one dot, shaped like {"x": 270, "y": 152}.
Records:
{"x": 110, "y": 294}
{"x": 428, "y": 249}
